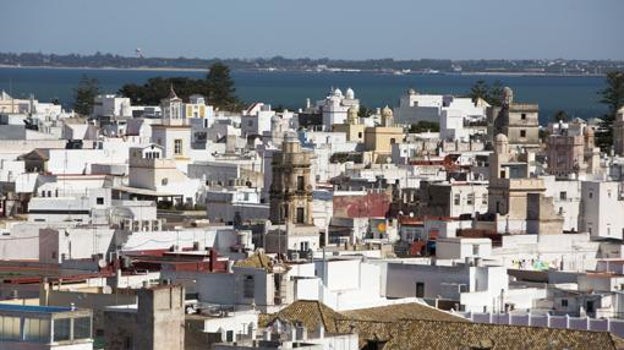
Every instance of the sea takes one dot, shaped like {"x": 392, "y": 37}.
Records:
{"x": 578, "y": 96}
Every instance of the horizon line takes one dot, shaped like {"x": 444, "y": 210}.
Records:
{"x": 315, "y": 59}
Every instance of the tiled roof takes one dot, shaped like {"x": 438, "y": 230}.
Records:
{"x": 407, "y": 311}
{"x": 310, "y": 313}
{"x": 257, "y": 260}
{"x": 414, "y": 326}
{"x": 422, "y": 334}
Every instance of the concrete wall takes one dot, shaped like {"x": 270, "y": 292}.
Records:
{"x": 160, "y": 318}
{"x": 449, "y": 248}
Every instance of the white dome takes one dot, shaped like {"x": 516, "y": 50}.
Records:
{"x": 350, "y": 94}
{"x": 387, "y": 112}
{"x": 338, "y": 93}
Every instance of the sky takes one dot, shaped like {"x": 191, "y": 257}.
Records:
{"x": 347, "y": 29}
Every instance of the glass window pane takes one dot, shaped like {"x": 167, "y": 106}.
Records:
{"x": 82, "y": 328}
{"x": 37, "y": 330}
{"x": 10, "y": 328}
{"x": 61, "y": 329}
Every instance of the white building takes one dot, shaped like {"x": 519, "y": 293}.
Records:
{"x": 111, "y": 106}
{"x": 235, "y": 204}
{"x": 602, "y": 208}
{"x": 461, "y": 248}
{"x": 566, "y": 195}
{"x": 151, "y": 175}
{"x": 335, "y": 107}
{"x": 415, "y": 107}
{"x": 473, "y": 286}
{"x": 256, "y": 119}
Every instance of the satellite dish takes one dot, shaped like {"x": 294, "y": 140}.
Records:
{"x": 102, "y": 263}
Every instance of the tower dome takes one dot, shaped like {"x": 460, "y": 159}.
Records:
{"x": 352, "y": 115}
{"x": 387, "y": 117}
{"x": 387, "y": 112}
{"x": 350, "y": 94}
{"x": 507, "y": 96}
{"x": 338, "y": 93}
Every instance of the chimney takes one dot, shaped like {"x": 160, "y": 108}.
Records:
{"x": 213, "y": 260}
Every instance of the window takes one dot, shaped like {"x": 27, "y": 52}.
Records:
{"x": 99, "y": 200}
{"x": 563, "y": 195}
{"x": 564, "y": 302}
{"x": 392, "y": 141}
{"x": 359, "y": 135}
{"x": 475, "y": 249}
{"x": 591, "y": 195}
{"x": 470, "y": 198}
{"x": 164, "y": 181}
{"x": 248, "y": 287}
{"x": 229, "y": 336}
{"x": 250, "y": 123}
{"x": 10, "y": 328}
{"x": 61, "y": 329}
{"x": 523, "y": 116}
{"x": 420, "y": 290}
{"x": 457, "y": 199}
{"x": 484, "y": 198}
{"x": 522, "y": 133}
{"x": 82, "y": 328}
{"x": 36, "y": 330}
{"x": 300, "y": 183}
{"x": 300, "y": 215}
{"x": 304, "y": 246}
{"x": 177, "y": 146}
{"x": 502, "y": 174}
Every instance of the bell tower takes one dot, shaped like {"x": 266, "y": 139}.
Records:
{"x": 291, "y": 188}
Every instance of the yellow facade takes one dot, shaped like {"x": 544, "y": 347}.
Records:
{"x": 355, "y": 132}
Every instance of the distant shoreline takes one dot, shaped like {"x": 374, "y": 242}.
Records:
{"x": 178, "y": 69}
{"x": 168, "y": 69}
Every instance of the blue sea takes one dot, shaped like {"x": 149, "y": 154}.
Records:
{"x": 577, "y": 95}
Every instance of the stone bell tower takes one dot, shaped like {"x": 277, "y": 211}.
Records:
{"x": 291, "y": 188}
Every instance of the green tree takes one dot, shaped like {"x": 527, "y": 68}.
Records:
{"x": 560, "y": 115}
{"x": 612, "y": 96}
{"x": 364, "y": 112}
{"x": 479, "y": 90}
{"x": 495, "y": 93}
{"x": 221, "y": 90}
{"x": 155, "y": 89}
{"x": 491, "y": 94}
{"x": 84, "y": 95}
{"x": 424, "y": 126}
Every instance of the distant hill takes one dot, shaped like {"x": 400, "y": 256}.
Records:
{"x": 388, "y": 65}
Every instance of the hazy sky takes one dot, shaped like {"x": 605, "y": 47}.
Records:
{"x": 352, "y": 29}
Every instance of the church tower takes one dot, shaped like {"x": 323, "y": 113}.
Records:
{"x": 291, "y": 188}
